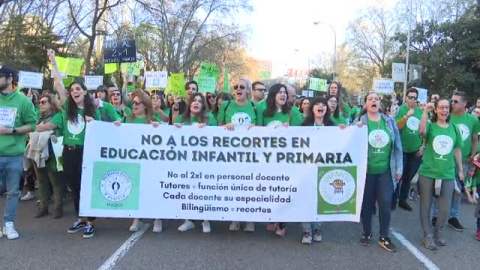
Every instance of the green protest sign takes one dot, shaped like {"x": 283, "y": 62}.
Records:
{"x": 67, "y": 81}
{"x": 206, "y": 84}
{"x": 111, "y": 68}
{"x": 209, "y": 70}
{"x": 130, "y": 88}
{"x": 265, "y": 75}
{"x": 318, "y": 84}
{"x": 177, "y": 81}
{"x": 74, "y": 67}
{"x": 132, "y": 68}
{"x": 226, "y": 88}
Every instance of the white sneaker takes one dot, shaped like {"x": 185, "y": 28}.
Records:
{"x": 29, "y": 196}
{"x": 157, "y": 226}
{"x": 206, "y": 226}
{"x": 136, "y": 225}
{"x": 187, "y": 225}
{"x": 234, "y": 226}
{"x": 249, "y": 227}
{"x": 9, "y": 231}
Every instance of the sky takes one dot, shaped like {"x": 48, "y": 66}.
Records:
{"x": 283, "y": 31}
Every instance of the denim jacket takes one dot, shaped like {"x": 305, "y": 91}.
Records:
{"x": 396, "y": 156}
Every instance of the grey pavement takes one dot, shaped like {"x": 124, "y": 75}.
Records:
{"x": 45, "y": 244}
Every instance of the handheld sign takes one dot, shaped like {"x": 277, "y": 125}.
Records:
{"x": 119, "y": 51}
{"x": 317, "y": 84}
{"x": 209, "y": 70}
{"x": 398, "y": 72}
{"x": 422, "y": 95}
{"x": 156, "y": 79}
{"x": 177, "y": 81}
{"x": 30, "y": 79}
{"x": 206, "y": 84}
{"x": 93, "y": 82}
{"x": 383, "y": 86}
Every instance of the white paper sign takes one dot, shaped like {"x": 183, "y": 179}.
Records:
{"x": 398, "y": 72}
{"x": 422, "y": 95}
{"x": 93, "y": 82}
{"x": 383, "y": 86}
{"x": 156, "y": 79}
{"x": 262, "y": 174}
{"x": 30, "y": 79}
{"x": 7, "y": 117}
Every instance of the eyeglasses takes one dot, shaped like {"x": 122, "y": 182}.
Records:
{"x": 137, "y": 103}
{"x": 261, "y": 89}
{"x": 116, "y": 94}
{"x": 444, "y": 108}
{"x": 332, "y": 101}
{"x": 412, "y": 97}
{"x": 42, "y": 102}
{"x": 210, "y": 96}
{"x": 455, "y": 101}
{"x": 241, "y": 87}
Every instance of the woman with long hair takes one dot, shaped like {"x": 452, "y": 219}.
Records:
{"x": 196, "y": 113}
{"x": 79, "y": 109}
{"x": 211, "y": 100}
{"x": 218, "y": 102}
{"x": 384, "y": 169}
{"x": 304, "y": 105}
{"x": 278, "y": 112}
{"x": 158, "y": 106}
{"x": 437, "y": 172}
{"x": 178, "y": 108}
{"x": 335, "y": 115}
{"x": 142, "y": 113}
{"x": 116, "y": 99}
{"x": 335, "y": 89}
{"x": 47, "y": 173}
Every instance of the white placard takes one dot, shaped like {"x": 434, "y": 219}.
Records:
{"x": 93, "y": 82}
{"x": 261, "y": 174}
{"x": 422, "y": 95}
{"x": 8, "y": 117}
{"x": 398, "y": 72}
{"x": 383, "y": 86}
{"x": 156, "y": 79}
{"x": 30, "y": 79}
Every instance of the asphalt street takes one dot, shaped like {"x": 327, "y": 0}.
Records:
{"x": 45, "y": 244}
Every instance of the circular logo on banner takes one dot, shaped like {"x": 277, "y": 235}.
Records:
{"x": 442, "y": 145}
{"x": 337, "y": 187}
{"x": 413, "y": 123}
{"x": 275, "y": 123}
{"x": 378, "y": 138}
{"x": 76, "y": 128}
{"x": 464, "y": 131}
{"x": 241, "y": 119}
{"x": 116, "y": 186}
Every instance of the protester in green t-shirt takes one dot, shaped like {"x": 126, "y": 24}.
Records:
{"x": 159, "y": 106}
{"x": 240, "y": 111}
{"x": 258, "y": 95}
{"x": 437, "y": 171}
{"x": 218, "y": 102}
{"x": 304, "y": 105}
{"x": 334, "y": 109}
{"x": 408, "y": 121}
{"x": 78, "y": 110}
{"x": 335, "y": 89}
{"x": 196, "y": 113}
{"x": 116, "y": 99}
{"x": 384, "y": 169}
{"x": 211, "y": 99}
{"x": 278, "y": 112}
{"x": 354, "y": 112}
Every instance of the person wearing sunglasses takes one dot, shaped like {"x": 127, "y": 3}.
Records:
{"x": 408, "y": 121}
{"x": 240, "y": 111}
{"x": 158, "y": 104}
{"x": 116, "y": 99}
{"x": 469, "y": 127}
{"x": 334, "y": 109}
{"x": 107, "y": 111}
{"x": 258, "y": 95}
{"x": 211, "y": 98}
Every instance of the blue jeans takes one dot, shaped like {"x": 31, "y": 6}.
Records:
{"x": 309, "y": 227}
{"x": 11, "y": 169}
{"x": 378, "y": 187}
{"x": 457, "y": 198}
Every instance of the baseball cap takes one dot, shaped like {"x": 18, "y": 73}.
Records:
{"x": 8, "y": 71}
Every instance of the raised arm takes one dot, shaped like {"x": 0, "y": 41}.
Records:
{"x": 58, "y": 82}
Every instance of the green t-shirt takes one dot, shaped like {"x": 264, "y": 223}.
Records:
{"x": 262, "y": 105}
{"x": 410, "y": 135}
{"x": 122, "y": 113}
{"x": 438, "y": 160}
{"x": 73, "y": 133}
{"x": 354, "y": 112}
{"x": 340, "y": 120}
{"x": 466, "y": 124}
{"x": 379, "y": 147}
{"x": 239, "y": 115}
{"x": 136, "y": 120}
{"x": 108, "y": 113}
{"x": 294, "y": 118}
{"x": 211, "y": 120}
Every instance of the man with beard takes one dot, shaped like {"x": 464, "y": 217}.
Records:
{"x": 17, "y": 119}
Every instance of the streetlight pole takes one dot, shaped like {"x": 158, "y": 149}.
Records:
{"x": 334, "y": 49}
{"x": 408, "y": 50}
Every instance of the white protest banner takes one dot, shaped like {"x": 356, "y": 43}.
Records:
{"x": 30, "y": 79}
{"x": 93, "y": 82}
{"x": 156, "y": 79}
{"x": 383, "y": 86}
{"x": 292, "y": 174}
{"x": 422, "y": 95}
{"x": 398, "y": 72}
